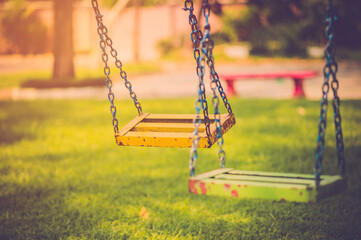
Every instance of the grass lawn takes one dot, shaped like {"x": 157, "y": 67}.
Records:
{"x": 63, "y": 177}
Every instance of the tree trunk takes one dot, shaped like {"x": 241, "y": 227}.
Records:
{"x": 63, "y": 40}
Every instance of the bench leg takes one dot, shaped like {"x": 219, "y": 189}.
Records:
{"x": 230, "y": 88}
{"x": 298, "y": 91}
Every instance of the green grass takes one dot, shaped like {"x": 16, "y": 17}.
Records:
{"x": 63, "y": 177}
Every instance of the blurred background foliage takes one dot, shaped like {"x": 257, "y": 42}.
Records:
{"x": 144, "y": 3}
{"x": 22, "y": 21}
{"x": 287, "y": 27}
{"x": 270, "y": 28}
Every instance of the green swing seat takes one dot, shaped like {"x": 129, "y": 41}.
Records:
{"x": 266, "y": 185}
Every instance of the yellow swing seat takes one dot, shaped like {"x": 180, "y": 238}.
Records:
{"x": 169, "y": 130}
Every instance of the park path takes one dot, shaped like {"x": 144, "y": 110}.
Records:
{"x": 180, "y": 80}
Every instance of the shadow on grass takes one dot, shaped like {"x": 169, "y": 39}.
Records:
{"x": 108, "y": 205}
{"x": 38, "y": 212}
{"x": 19, "y": 120}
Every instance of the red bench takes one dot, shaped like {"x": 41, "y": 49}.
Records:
{"x": 296, "y": 76}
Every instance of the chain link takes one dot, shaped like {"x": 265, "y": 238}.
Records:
{"x": 207, "y": 46}
{"x": 195, "y": 136}
{"x": 105, "y": 41}
{"x": 108, "y": 81}
{"x": 203, "y": 53}
{"x": 329, "y": 71}
{"x": 208, "y": 51}
{"x": 201, "y": 102}
{"x": 196, "y": 37}
{"x": 335, "y": 86}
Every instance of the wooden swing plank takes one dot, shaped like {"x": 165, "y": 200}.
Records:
{"x": 169, "y": 130}
{"x": 257, "y": 178}
{"x": 167, "y": 127}
{"x": 169, "y": 117}
{"x": 265, "y": 185}
{"x": 279, "y": 174}
{"x": 133, "y": 122}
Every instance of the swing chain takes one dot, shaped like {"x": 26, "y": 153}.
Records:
{"x": 330, "y": 70}
{"x": 193, "y": 153}
{"x": 196, "y": 37}
{"x": 108, "y": 82}
{"x": 105, "y": 40}
{"x": 333, "y": 67}
{"x": 207, "y": 45}
{"x": 201, "y": 101}
{"x": 207, "y": 48}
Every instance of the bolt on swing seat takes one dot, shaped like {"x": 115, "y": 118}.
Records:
{"x": 293, "y": 187}
{"x": 169, "y": 130}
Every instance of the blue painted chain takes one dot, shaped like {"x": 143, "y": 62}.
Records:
{"x": 196, "y": 37}
{"x": 105, "y": 41}
{"x": 205, "y": 44}
{"x": 329, "y": 71}
{"x": 332, "y": 70}
{"x": 201, "y": 101}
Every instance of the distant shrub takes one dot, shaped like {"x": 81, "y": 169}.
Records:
{"x": 24, "y": 31}
{"x": 293, "y": 25}
{"x": 168, "y": 45}
{"x": 165, "y": 46}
